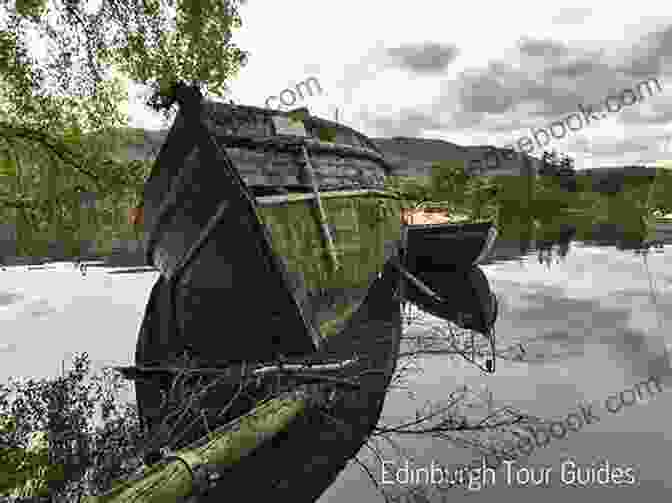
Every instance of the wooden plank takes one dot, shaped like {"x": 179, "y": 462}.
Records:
{"x": 289, "y": 198}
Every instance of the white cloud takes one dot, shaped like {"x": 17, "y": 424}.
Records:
{"x": 345, "y": 45}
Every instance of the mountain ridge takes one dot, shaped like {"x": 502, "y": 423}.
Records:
{"x": 410, "y": 156}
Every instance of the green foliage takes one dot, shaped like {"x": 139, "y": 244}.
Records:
{"x": 363, "y": 225}
{"x": 413, "y": 190}
{"x": 156, "y": 42}
{"x": 518, "y": 200}
{"x": 66, "y": 437}
{"x": 33, "y": 9}
{"x": 190, "y": 44}
{"x": 62, "y": 120}
{"x": 449, "y": 181}
{"x": 661, "y": 196}
{"x": 327, "y": 134}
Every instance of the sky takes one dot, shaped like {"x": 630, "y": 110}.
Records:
{"x": 473, "y": 76}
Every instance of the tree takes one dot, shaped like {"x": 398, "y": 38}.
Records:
{"x": 88, "y": 435}
{"x": 62, "y": 93}
{"x": 550, "y": 163}
{"x": 413, "y": 190}
{"x": 660, "y": 199}
{"x": 449, "y": 180}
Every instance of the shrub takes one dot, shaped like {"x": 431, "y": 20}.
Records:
{"x": 65, "y": 437}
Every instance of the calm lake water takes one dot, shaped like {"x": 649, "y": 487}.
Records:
{"x": 587, "y": 321}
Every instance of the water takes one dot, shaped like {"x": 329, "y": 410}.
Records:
{"x": 590, "y": 328}
{"x": 587, "y": 322}
{"x": 48, "y": 314}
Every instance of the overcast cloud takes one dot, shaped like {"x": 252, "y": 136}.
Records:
{"x": 475, "y": 76}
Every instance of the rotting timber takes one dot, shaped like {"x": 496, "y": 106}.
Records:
{"x": 277, "y": 242}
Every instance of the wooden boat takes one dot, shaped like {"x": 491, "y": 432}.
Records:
{"x": 444, "y": 258}
{"x": 277, "y": 242}
{"x": 446, "y": 245}
{"x": 281, "y": 259}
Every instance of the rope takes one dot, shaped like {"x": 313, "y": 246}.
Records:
{"x": 201, "y": 477}
{"x": 168, "y": 459}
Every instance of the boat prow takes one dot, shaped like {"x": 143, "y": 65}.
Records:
{"x": 271, "y": 246}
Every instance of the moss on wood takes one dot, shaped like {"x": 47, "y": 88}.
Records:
{"x": 361, "y": 224}
{"x": 224, "y": 448}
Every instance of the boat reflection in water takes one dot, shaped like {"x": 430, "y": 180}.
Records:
{"x": 444, "y": 257}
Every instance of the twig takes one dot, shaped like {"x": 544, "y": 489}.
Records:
{"x": 372, "y": 479}
{"x": 259, "y": 372}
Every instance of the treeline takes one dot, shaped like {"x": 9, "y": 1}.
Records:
{"x": 58, "y": 211}
{"x": 615, "y": 194}
{"x": 49, "y": 209}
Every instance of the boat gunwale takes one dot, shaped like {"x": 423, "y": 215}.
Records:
{"x": 384, "y": 287}
{"x": 275, "y": 142}
{"x": 315, "y": 399}
{"x": 232, "y": 108}
{"x": 291, "y": 142}
{"x": 448, "y": 226}
{"x": 426, "y": 234}
{"x": 327, "y": 194}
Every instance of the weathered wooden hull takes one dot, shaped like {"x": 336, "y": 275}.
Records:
{"x": 226, "y": 325}
{"x": 251, "y": 275}
{"x": 440, "y": 246}
{"x": 304, "y": 459}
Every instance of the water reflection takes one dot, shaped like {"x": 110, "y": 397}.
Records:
{"x": 551, "y": 238}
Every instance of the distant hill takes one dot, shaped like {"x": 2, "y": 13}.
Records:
{"x": 148, "y": 144}
{"x": 408, "y": 156}
{"x": 619, "y": 171}
{"x": 415, "y": 156}
{"x": 610, "y": 180}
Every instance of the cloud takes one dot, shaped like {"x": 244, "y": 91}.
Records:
{"x": 427, "y": 58}
{"x": 572, "y": 15}
{"x": 650, "y": 56}
{"x": 611, "y": 148}
{"x": 580, "y": 67}
{"x": 659, "y": 111}
{"x": 367, "y": 68}
{"x": 561, "y": 76}
{"x": 9, "y": 298}
{"x": 485, "y": 93}
{"x": 8, "y": 347}
{"x": 549, "y": 88}
{"x": 543, "y": 48}
{"x": 548, "y": 80}
{"x": 408, "y": 123}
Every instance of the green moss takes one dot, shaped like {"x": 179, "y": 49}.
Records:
{"x": 343, "y": 314}
{"x": 326, "y": 134}
{"x": 361, "y": 225}
{"x": 173, "y": 481}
